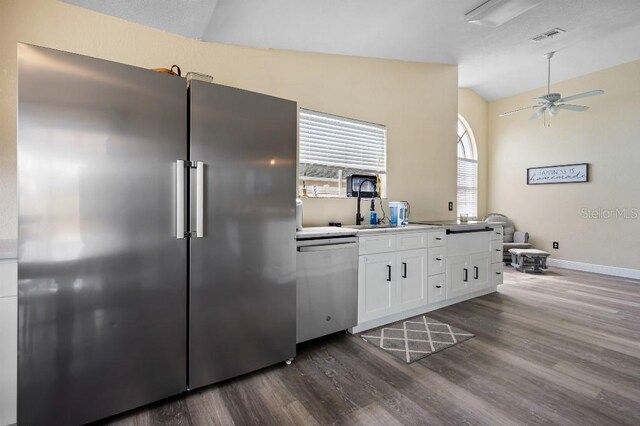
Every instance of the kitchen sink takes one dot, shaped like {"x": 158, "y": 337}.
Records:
{"x": 384, "y": 226}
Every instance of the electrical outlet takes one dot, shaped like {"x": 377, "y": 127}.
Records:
{"x": 556, "y": 245}
{"x": 450, "y": 206}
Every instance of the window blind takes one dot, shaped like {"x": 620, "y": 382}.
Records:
{"x": 333, "y": 147}
{"x": 467, "y": 187}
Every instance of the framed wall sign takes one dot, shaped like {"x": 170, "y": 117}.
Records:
{"x": 567, "y": 173}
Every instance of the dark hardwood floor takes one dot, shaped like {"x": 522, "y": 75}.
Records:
{"x": 560, "y": 348}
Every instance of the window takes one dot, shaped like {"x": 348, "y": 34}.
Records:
{"x": 333, "y": 147}
{"x": 467, "y": 171}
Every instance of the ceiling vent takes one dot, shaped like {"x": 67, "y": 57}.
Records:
{"x": 548, "y": 34}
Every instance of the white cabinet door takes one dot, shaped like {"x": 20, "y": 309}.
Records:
{"x": 376, "y": 285}
{"x": 412, "y": 279}
{"x": 458, "y": 276}
{"x": 479, "y": 268}
{"x": 437, "y": 288}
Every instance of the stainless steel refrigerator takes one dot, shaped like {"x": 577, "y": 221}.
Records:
{"x": 156, "y": 247}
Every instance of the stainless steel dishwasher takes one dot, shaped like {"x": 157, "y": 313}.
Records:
{"x": 327, "y": 286}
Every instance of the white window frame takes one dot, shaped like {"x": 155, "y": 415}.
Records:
{"x": 332, "y": 147}
{"x": 467, "y": 170}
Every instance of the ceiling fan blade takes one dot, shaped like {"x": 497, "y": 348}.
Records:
{"x": 538, "y": 113}
{"x": 582, "y": 95}
{"x": 569, "y": 107}
{"x": 518, "y": 110}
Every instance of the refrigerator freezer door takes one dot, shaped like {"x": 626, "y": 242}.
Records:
{"x": 242, "y": 280}
{"x": 102, "y": 276}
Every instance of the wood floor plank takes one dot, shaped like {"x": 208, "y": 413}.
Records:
{"x": 559, "y": 348}
{"x": 207, "y": 408}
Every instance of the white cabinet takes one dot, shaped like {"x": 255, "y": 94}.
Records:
{"x": 412, "y": 289}
{"x": 8, "y": 342}
{"x": 392, "y": 274}
{"x": 497, "y": 262}
{"x": 406, "y": 273}
{"x": 480, "y": 268}
{"x": 391, "y": 282}
{"x": 467, "y": 274}
{"x": 376, "y": 295}
{"x": 457, "y": 276}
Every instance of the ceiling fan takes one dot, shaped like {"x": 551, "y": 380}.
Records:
{"x": 552, "y": 103}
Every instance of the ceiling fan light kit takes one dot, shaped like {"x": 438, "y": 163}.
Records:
{"x": 493, "y": 13}
{"x": 551, "y": 103}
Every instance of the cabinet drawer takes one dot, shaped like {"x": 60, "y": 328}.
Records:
{"x": 436, "y": 238}
{"x": 498, "y": 233}
{"x": 496, "y": 251}
{"x": 468, "y": 243}
{"x": 437, "y": 290}
{"x": 8, "y": 279}
{"x": 497, "y": 273}
{"x": 436, "y": 260}
{"x": 409, "y": 241}
{"x": 377, "y": 244}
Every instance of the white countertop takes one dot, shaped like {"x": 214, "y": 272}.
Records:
{"x": 324, "y": 231}
{"x": 334, "y": 231}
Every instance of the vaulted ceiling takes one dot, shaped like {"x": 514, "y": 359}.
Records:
{"x": 495, "y": 62}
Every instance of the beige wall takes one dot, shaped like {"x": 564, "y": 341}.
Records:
{"x": 606, "y": 137}
{"x": 417, "y": 102}
{"x": 473, "y": 108}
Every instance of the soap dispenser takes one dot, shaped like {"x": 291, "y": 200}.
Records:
{"x": 373, "y": 216}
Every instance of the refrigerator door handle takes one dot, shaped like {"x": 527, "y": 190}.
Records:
{"x": 180, "y": 166}
{"x": 199, "y": 199}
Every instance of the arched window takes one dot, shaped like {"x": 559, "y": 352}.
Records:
{"x": 467, "y": 170}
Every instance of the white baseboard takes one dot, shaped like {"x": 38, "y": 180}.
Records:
{"x": 595, "y": 268}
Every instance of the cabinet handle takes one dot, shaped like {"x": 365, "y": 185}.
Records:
{"x": 475, "y": 272}
{"x": 466, "y": 275}
{"x": 404, "y": 269}
{"x": 439, "y": 238}
{"x": 438, "y": 259}
{"x": 498, "y": 273}
{"x": 438, "y": 286}
{"x": 498, "y": 250}
{"x": 389, "y": 273}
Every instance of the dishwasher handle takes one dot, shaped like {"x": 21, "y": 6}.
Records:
{"x": 326, "y": 247}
